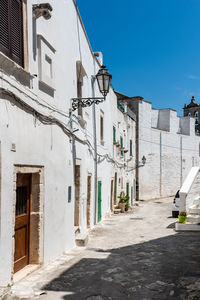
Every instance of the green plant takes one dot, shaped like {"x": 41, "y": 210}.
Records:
{"x": 123, "y": 198}
{"x": 183, "y": 213}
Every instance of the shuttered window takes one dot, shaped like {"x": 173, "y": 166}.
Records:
{"x": 121, "y": 145}
{"x": 114, "y": 134}
{"x": 11, "y": 29}
{"x": 131, "y": 148}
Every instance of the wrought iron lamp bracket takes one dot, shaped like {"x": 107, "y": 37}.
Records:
{"x": 84, "y": 102}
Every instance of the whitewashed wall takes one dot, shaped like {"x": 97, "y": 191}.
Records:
{"x": 63, "y": 39}
{"x": 171, "y": 149}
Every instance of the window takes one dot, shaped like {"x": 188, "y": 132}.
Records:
{"x": 121, "y": 145}
{"x": 131, "y": 148}
{"x": 196, "y": 118}
{"x": 101, "y": 128}
{"x": 114, "y": 134}
{"x": 11, "y": 30}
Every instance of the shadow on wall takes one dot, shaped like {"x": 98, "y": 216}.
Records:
{"x": 157, "y": 269}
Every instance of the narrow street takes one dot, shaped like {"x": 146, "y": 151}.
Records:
{"x": 137, "y": 256}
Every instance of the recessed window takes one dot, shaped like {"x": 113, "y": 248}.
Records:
{"x": 131, "y": 148}
{"x": 196, "y": 118}
{"x": 121, "y": 146}
{"x": 114, "y": 134}
{"x": 11, "y": 30}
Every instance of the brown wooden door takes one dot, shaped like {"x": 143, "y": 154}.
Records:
{"x": 22, "y": 221}
{"x": 77, "y": 196}
{"x": 111, "y": 195}
{"x": 88, "y": 200}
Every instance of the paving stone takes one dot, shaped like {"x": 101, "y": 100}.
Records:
{"x": 135, "y": 259}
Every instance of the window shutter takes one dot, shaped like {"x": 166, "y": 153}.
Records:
{"x": 4, "y": 27}
{"x": 114, "y": 134}
{"x": 11, "y": 29}
{"x": 16, "y": 32}
{"x": 121, "y": 145}
{"x": 131, "y": 148}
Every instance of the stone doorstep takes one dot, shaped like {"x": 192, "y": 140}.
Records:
{"x": 187, "y": 227}
{"x": 117, "y": 210}
{"x": 81, "y": 239}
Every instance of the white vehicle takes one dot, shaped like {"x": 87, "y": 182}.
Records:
{"x": 175, "y": 205}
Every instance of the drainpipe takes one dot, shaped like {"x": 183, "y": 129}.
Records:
{"x": 181, "y": 152}
{"x": 95, "y": 151}
{"x": 160, "y": 163}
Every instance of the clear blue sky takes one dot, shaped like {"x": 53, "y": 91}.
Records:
{"x": 151, "y": 47}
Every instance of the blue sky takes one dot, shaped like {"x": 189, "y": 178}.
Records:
{"x": 151, "y": 47}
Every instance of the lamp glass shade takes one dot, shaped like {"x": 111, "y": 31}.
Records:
{"x": 103, "y": 78}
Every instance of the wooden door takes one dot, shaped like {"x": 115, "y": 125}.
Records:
{"x": 132, "y": 196}
{"x": 22, "y": 221}
{"x": 115, "y": 190}
{"x": 111, "y": 195}
{"x": 99, "y": 201}
{"x": 88, "y": 200}
{"x": 77, "y": 196}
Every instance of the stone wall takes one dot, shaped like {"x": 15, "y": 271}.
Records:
{"x": 171, "y": 148}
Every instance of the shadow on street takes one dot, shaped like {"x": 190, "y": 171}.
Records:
{"x": 164, "y": 268}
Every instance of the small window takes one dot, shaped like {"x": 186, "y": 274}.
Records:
{"x": 11, "y": 30}
{"x": 114, "y": 134}
{"x": 199, "y": 149}
{"x": 101, "y": 129}
{"x": 121, "y": 145}
{"x": 196, "y": 118}
{"x": 131, "y": 148}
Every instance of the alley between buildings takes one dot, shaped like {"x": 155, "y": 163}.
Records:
{"x": 136, "y": 255}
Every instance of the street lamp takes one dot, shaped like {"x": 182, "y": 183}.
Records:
{"x": 103, "y": 78}
{"x": 144, "y": 160}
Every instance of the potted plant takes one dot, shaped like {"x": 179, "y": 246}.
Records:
{"x": 123, "y": 202}
{"x": 127, "y": 206}
{"x": 182, "y": 217}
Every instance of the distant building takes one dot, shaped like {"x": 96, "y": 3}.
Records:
{"x": 193, "y": 110}
{"x": 169, "y": 144}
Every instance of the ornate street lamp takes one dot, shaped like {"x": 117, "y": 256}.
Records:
{"x": 103, "y": 78}
{"x": 144, "y": 160}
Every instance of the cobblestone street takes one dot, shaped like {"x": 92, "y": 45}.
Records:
{"x": 137, "y": 256}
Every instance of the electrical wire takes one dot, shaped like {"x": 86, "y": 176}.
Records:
{"x": 49, "y": 120}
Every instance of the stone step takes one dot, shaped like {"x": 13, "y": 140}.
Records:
{"x": 81, "y": 239}
{"x": 193, "y": 219}
{"x": 197, "y": 201}
{"x": 187, "y": 227}
{"x": 117, "y": 210}
{"x": 195, "y": 209}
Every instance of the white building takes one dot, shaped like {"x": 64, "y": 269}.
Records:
{"x": 169, "y": 144}
{"x": 51, "y": 184}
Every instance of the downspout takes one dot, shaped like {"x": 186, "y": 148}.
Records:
{"x": 160, "y": 164}
{"x": 95, "y": 151}
{"x": 137, "y": 154}
{"x": 181, "y": 152}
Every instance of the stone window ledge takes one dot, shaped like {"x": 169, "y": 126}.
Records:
{"x": 11, "y": 68}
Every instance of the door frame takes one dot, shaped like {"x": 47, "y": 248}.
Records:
{"x": 36, "y": 242}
